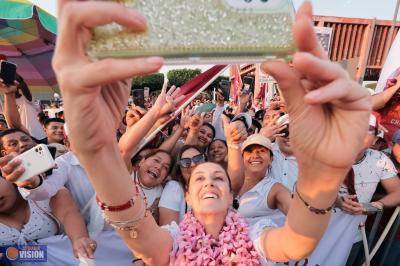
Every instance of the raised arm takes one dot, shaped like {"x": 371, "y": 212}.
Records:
{"x": 129, "y": 141}
{"x": 379, "y": 100}
{"x": 11, "y": 113}
{"x": 327, "y": 110}
{"x": 170, "y": 143}
{"x": 93, "y": 111}
{"x": 235, "y": 134}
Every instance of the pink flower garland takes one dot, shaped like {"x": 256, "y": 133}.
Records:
{"x": 233, "y": 246}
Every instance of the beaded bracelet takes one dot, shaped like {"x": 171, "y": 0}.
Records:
{"x": 122, "y": 207}
{"x": 311, "y": 208}
{"x": 129, "y": 225}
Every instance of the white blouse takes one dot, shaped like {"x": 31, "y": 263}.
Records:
{"x": 173, "y": 198}
{"x": 40, "y": 225}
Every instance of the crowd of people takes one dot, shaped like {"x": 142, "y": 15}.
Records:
{"x": 287, "y": 183}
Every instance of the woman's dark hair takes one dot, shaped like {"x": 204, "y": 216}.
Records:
{"x": 176, "y": 173}
{"x": 23, "y": 87}
{"x": 226, "y": 172}
{"x": 156, "y": 151}
{"x": 256, "y": 124}
{"x": 215, "y": 140}
{"x": 210, "y": 126}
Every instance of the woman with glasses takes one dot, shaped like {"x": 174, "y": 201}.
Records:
{"x": 172, "y": 206}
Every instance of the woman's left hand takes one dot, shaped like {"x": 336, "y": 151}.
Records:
{"x": 84, "y": 247}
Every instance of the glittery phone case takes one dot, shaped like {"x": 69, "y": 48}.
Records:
{"x": 202, "y": 31}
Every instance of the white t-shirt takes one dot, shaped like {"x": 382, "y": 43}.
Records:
{"x": 173, "y": 198}
{"x": 375, "y": 167}
{"x": 284, "y": 168}
{"x": 253, "y": 205}
{"x": 255, "y": 232}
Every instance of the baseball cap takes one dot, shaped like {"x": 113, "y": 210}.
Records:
{"x": 257, "y": 139}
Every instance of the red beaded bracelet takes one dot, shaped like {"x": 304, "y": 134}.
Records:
{"x": 118, "y": 208}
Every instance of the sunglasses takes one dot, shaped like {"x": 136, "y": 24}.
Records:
{"x": 187, "y": 162}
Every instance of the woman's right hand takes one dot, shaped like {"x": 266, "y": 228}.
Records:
{"x": 95, "y": 93}
{"x": 8, "y": 89}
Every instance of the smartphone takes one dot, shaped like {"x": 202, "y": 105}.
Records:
{"x": 284, "y": 120}
{"x": 226, "y": 88}
{"x": 205, "y": 108}
{"x": 36, "y": 161}
{"x": 370, "y": 209}
{"x": 138, "y": 97}
{"x": 8, "y": 72}
{"x": 248, "y": 84}
{"x": 202, "y": 31}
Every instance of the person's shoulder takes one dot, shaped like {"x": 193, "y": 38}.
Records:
{"x": 173, "y": 186}
{"x": 377, "y": 155}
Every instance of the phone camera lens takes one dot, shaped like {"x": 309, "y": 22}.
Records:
{"x": 264, "y": 1}
{"x": 36, "y": 150}
{"x": 247, "y": 1}
{"x": 40, "y": 148}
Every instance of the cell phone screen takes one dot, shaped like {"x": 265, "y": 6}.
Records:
{"x": 8, "y": 72}
{"x": 138, "y": 97}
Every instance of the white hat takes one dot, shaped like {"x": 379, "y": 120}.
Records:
{"x": 257, "y": 139}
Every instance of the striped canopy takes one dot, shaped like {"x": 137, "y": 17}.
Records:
{"x": 27, "y": 38}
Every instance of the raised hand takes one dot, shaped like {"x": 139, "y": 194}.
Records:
{"x": 328, "y": 110}
{"x": 8, "y": 89}
{"x": 167, "y": 101}
{"x": 271, "y": 129}
{"x": 134, "y": 114}
{"x": 235, "y": 132}
{"x": 94, "y": 95}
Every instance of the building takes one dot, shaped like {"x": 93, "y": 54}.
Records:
{"x": 358, "y": 44}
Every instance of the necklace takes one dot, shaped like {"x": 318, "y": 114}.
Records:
{"x": 233, "y": 246}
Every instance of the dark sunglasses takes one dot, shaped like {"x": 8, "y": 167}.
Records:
{"x": 187, "y": 162}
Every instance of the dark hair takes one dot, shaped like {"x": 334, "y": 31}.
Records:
{"x": 226, "y": 172}
{"x": 176, "y": 173}
{"x": 256, "y": 124}
{"x": 11, "y": 131}
{"x": 221, "y": 140}
{"x": 210, "y": 126}
{"x": 49, "y": 120}
{"x": 259, "y": 115}
{"x": 23, "y": 87}
{"x": 156, "y": 151}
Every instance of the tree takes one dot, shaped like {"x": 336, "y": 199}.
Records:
{"x": 178, "y": 77}
{"x": 153, "y": 81}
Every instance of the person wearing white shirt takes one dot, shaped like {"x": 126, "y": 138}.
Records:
{"x": 218, "y": 111}
{"x": 261, "y": 195}
{"x": 284, "y": 166}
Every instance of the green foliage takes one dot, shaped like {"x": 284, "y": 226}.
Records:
{"x": 153, "y": 81}
{"x": 178, "y": 77}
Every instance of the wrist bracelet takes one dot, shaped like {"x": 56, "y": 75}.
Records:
{"x": 234, "y": 146}
{"x": 311, "y": 208}
{"x": 122, "y": 207}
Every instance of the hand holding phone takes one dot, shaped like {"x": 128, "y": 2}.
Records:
{"x": 8, "y": 72}
{"x": 35, "y": 161}
{"x": 369, "y": 209}
{"x": 138, "y": 97}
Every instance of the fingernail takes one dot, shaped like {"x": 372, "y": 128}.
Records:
{"x": 314, "y": 94}
{"x": 154, "y": 60}
{"x": 137, "y": 17}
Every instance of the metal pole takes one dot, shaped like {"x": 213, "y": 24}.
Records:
{"x": 390, "y": 37}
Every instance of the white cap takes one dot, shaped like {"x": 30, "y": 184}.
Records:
{"x": 257, "y": 139}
